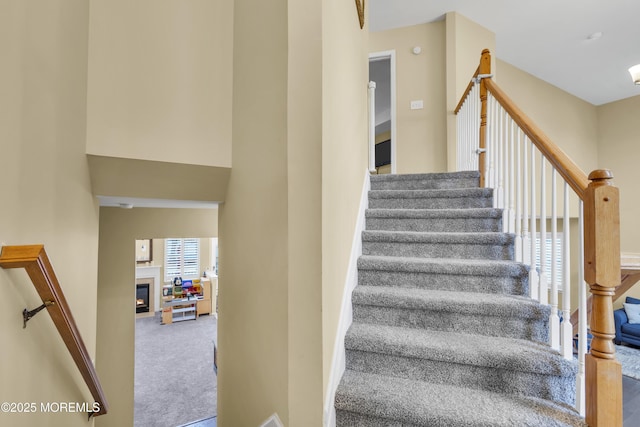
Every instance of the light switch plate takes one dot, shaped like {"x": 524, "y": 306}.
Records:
{"x": 417, "y": 105}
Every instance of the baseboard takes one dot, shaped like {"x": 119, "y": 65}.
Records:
{"x": 273, "y": 421}
{"x": 346, "y": 314}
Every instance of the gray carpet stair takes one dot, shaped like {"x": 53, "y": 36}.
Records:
{"x": 488, "y": 276}
{"x": 458, "y": 198}
{"x": 482, "y": 314}
{"x": 370, "y": 400}
{"x": 429, "y": 181}
{"x": 444, "y": 333}
{"x": 438, "y": 245}
{"x": 435, "y": 220}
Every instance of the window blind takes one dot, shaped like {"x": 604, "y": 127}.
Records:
{"x": 549, "y": 261}
{"x": 181, "y": 258}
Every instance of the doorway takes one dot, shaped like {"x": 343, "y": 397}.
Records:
{"x": 175, "y": 342}
{"x": 382, "y": 71}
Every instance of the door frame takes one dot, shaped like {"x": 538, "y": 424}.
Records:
{"x": 391, "y": 55}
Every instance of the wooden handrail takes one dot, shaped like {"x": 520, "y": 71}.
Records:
{"x": 34, "y": 260}
{"x": 566, "y": 167}
{"x": 601, "y": 207}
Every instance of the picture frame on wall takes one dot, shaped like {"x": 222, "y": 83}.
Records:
{"x": 144, "y": 250}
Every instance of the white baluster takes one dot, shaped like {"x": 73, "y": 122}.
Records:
{"x": 544, "y": 283}
{"x": 464, "y": 146}
{"x": 582, "y": 318}
{"x": 476, "y": 124}
{"x": 567, "y": 328}
{"x": 500, "y": 164}
{"x": 459, "y": 137}
{"x": 466, "y": 142}
{"x": 512, "y": 176}
{"x": 518, "y": 186}
{"x": 526, "y": 240}
{"x": 554, "y": 319}
{"x": 487, "y": 147}
{"x": 460, "y": 134}
{"x": 470, "y": 140}
{"x": 505, "y": 173}
{"x": 533, "y": 273}
{"x": 493, "y": 148}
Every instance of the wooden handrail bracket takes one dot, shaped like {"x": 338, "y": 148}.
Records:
{"x": 34, "y": 260}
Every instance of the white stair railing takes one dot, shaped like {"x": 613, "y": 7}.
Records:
{"x": 467, "y": 128}
{"x": 525, "y": 185}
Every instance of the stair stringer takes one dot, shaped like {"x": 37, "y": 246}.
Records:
{"x": 338, "y": 361}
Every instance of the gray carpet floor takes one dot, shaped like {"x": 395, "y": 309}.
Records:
{"x": 629, "y": 357}
{"x": 174, "y": 379}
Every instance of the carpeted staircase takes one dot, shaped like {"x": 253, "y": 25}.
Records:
{"x": 444, "y": 333}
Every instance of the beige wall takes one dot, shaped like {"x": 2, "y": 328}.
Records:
{"x": 344, "y": 154}
{"x": 618, "y": 139}
{"x": 116, "y": 176}
{"x": 253, "y": 328}
{"x": 286, "y": 230}
{"x": 46, "y": 199}
{"x": 116, "y": 275}
{"x": 618, "y": 149}
{"x": 569, "y": 121}
{"x": 160, "y": 80}
{"x": 421, "y": 134}
{"x": 304, "y": 163}
{"x": 465, "y": 42}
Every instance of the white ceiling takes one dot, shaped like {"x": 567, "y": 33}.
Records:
{"x": 546, "y": 38}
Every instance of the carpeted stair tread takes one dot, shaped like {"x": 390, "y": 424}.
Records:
{"x": 434, "y": 213}
{"x": 462, "y": 303}
{"x": 364, "y": 399}
{"x": 439, "y": 245}
{"x": 455, "y": 193}
{"x": 425, "y": 176}
{"x": 455, "y": 198}
{"x": 443, "y": 266}
{"x": 447, "y": 238}
{"x": 445, "y": 310}
{"x": 459, "y": 348}
{"x": 466, "y": 179}
{"x": 435, "y": 220}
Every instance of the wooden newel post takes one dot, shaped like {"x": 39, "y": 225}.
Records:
{"x": 483, "y": 69}
{"x": 602, "y": 273}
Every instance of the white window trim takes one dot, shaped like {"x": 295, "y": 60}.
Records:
{"x": 186, "y": 267}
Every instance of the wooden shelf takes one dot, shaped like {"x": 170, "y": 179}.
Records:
{"x": 178, "y": 310}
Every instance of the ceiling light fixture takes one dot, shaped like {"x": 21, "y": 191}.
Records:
{"x": 635, "y": 73}
{"x": 594, "y": 36}
{"x": 126, "y": 206}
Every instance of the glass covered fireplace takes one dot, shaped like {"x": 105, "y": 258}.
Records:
{"x": 142, "y": 298}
